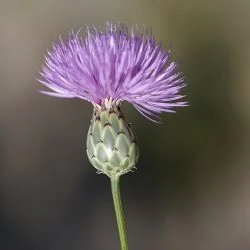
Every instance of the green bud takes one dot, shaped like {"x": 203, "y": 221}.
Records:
{"x": 111, "y": 143}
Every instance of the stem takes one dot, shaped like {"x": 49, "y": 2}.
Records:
{"x": 118, "y": 211}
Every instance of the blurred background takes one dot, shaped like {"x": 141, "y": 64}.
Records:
{"x": 191, "y": 190}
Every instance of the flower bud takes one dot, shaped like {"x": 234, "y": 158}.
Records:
{"x": 111, "y": 144}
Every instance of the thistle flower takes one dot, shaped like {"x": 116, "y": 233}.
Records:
{"x": 105, "y": 68}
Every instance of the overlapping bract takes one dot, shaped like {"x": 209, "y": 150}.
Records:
{"x": 114, "y": 64}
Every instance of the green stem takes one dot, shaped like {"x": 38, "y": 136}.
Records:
{"x": 118, "y": 211}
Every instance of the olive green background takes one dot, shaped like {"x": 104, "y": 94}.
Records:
{"x": 191, "y": 190}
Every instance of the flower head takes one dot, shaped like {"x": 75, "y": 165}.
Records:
{"x": 111, "y": 66}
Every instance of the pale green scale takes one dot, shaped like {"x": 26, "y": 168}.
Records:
{"x": 111, "y": 143}
{"x": 109, "y": 137}
{"x": 115, "y": 122}
{"x": 123, "y": 143}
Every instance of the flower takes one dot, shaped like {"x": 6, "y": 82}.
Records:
{"x": 114, "y": 65}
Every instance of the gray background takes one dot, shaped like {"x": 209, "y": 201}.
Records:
{"x": 191, "y": 189}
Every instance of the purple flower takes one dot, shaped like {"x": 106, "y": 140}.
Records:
{"x": 115, "y": 65}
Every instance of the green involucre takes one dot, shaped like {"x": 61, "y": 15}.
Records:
{"x": 111, "y": 143}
